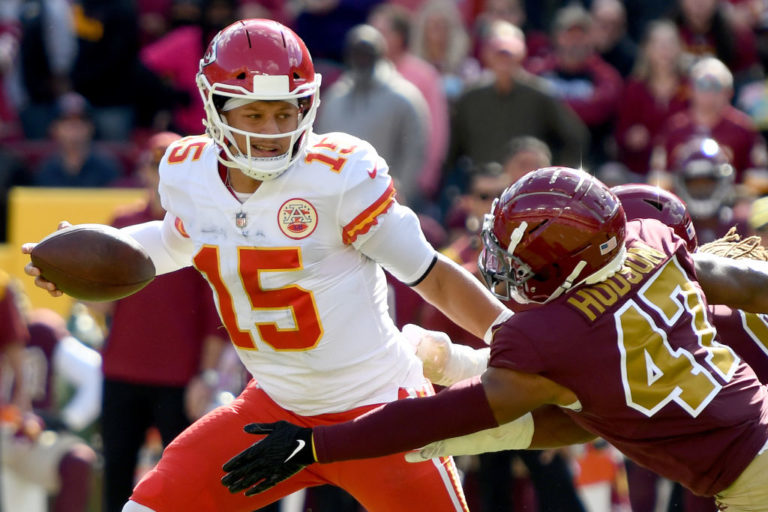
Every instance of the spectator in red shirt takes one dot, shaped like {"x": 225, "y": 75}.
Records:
{"x": 657, "y": 89}
{"x": 711, "y": 114}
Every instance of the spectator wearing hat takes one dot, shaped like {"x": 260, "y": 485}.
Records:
{"x": 711, "y": 114}
{"x": 75, "y": 161}
{"x": 510, "y": 103}
{"x": 576, "y": 74}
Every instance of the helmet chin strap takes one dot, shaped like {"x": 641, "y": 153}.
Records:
{"x": 568, "y": 283}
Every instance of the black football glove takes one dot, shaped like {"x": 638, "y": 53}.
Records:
{"x": 285, "y": 451}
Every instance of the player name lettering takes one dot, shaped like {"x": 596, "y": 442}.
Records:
{"x": 593, "y": 300}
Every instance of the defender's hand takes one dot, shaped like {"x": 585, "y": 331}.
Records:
{"x": 285, "y": 451}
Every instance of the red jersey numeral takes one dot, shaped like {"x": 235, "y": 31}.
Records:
{"x": 334, "y": 162}
{"x": 252, "y": 261}
{"x": 180, "y": 153}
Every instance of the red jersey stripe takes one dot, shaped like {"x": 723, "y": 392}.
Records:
{"x": 367, "y": 219}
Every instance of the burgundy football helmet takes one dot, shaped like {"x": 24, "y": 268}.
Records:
{"x": 254, "y": 60}
{"x": 553, "y": 229}
{"x": 641, "y": 201}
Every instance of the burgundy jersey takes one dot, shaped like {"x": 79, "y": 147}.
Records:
{"x": 641, "y": 354}
{"x": 747, "y": 334}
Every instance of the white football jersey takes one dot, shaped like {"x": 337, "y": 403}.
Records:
{"x": 293, "y": 272}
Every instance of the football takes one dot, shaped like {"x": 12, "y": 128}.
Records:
{"x": 93, "y": 262}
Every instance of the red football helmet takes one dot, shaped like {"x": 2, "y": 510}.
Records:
{"x": 553, "y": 229}
{"x": 253, "y": 60}
{"x": 641, "y": 201}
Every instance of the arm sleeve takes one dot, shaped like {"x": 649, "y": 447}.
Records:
{"x": 79, "y": 365}
{"x": 168, "y": 250}
{"x": 407, "y": 424}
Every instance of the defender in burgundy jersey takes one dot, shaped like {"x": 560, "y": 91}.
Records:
{"x": 620, "y": 345}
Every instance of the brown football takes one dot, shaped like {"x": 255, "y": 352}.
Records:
{"x": 93, "y": 262}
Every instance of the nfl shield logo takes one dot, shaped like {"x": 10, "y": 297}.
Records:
{"x": 241, "y": 220}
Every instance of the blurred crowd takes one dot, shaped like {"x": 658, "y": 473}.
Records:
{"x": 628, "y": 90}
{"x": 461, "y": 97}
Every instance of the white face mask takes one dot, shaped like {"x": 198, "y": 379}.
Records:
{"x": 258, "y": 168}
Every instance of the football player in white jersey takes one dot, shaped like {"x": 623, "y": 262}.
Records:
{"x": 293, "y": 230}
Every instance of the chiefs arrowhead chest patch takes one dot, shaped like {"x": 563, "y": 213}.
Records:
{"x": 297, "y": 218}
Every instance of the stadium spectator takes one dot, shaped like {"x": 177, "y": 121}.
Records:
{"x": 710, "y": 114}
{"x": 609, "y": 30}
{"x": 657, "y": 89}
{"x": 394, "y": 23}
{"x": 76, "y": 161}
{"x": 577, "y": 75}
{"x": 159, "y": 371}
{"x": 371, "y": 100}
{"x": 523, "y": 155}
{"x": 441, "y": 39}
{"x": 511, "y": 103}
{"x": 537, "y": 41}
